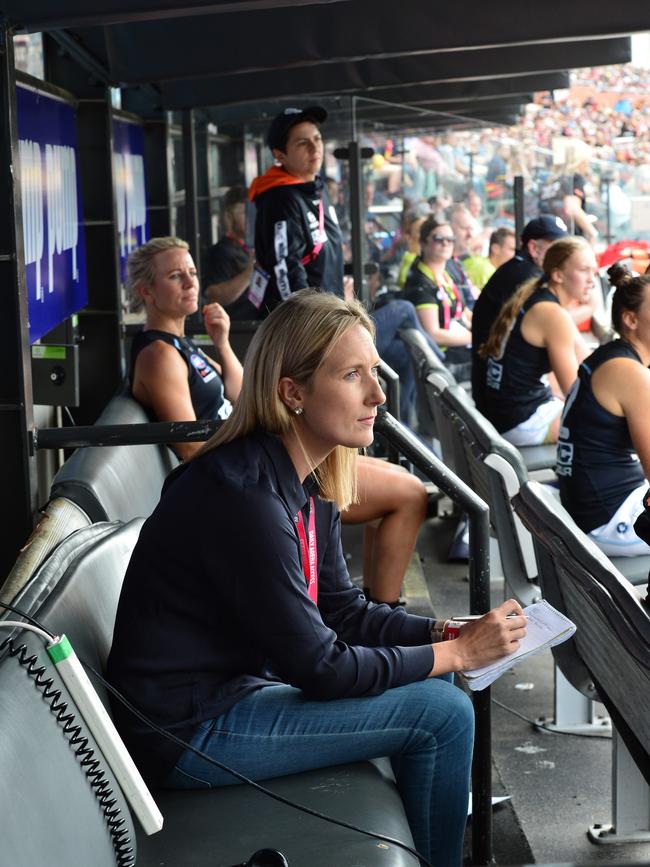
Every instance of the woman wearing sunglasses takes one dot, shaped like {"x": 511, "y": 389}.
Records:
{"x": 438, "y": 300}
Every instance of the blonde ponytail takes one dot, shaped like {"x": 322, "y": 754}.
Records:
{"x": 555, "y": 257}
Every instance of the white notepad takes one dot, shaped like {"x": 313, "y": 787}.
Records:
{"x": 546, "y": 627}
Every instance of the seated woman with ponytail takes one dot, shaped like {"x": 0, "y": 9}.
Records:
{"x": 238, "y": 628}
{"x": 534, "y": 335}
{"x": 603, "y": 456}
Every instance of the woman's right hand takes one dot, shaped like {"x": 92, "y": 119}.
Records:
{"x": 217, "y": 323}
{"x": 495, "y": 635}
{"x": 482, "y": 641}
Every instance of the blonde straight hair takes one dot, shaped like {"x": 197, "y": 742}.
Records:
{"x": 556, "y": 255}
{"x": 140, "y": 269}
{"x": 294, "y": 342}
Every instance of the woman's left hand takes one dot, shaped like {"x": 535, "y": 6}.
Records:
{"x": 217, "y": 323}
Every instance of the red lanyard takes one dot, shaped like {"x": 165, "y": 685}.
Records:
{"x": 239, "y": 241}
{"x": 318, "y": 246}
{"x": 308, "y": 551}
{"x": 449, "y": 295}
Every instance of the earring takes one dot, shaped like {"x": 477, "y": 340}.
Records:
{"x": 298, "y": 410}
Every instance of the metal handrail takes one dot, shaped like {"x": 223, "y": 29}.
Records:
{"x": 392, "y": 388}
{"x": 86, "y": 436}
{"x": 479, "y": 601}
{"x": 391, "y": 378}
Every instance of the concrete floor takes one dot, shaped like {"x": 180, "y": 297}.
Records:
{"x": 558, "y": 784}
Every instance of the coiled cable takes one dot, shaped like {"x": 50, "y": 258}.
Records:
{"x": 84, "y": 753}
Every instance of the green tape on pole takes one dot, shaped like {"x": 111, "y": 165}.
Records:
{"x": 61, "y": 650}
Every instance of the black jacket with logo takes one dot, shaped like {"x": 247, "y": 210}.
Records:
{"x": 286, "y": 232}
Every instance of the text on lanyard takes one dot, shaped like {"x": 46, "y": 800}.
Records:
{"x": 308, "y": 550}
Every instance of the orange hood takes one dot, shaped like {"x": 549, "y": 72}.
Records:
{"x": 274, "y": 177}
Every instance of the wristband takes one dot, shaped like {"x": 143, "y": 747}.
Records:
{"x": 438, "y": 630}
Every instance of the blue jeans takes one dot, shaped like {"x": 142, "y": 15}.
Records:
{"x": 426, "y": 728}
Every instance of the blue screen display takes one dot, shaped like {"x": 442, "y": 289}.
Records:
{"x": 129, "y": 185}
{"x": 55, "y": 250}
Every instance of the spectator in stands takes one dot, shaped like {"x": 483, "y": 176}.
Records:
{"x": 502, "y": 248}
{"x": 229, "y": 264}
{"x": 170, "y": 375}
{"x": 603, "y": 460}
{"x": 391, "y": 313}
{"x": 238, "y": 628}
{"x": 536, "y": 238}
{"x": 297, "y": 236}
{"x": 565, "y": 193}
{"x": 437, "y": 299}
{"x": 533, "y": 336}
{"x": 412, "y": 236}
{"x": 464, "y": 227}
{"x": 474, "y": 205}
{"x": 466, "y": 230}
{"x": 497, "y": 172}
{"x": 440, "y": 205}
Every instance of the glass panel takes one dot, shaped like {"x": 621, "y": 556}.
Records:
{"x": 572, "y": 164}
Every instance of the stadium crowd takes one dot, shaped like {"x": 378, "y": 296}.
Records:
{"x": 599, "y": 128}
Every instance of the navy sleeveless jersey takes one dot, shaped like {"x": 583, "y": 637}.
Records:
{"x": 513, "y": 387}
{"x": 206, "y": 386}
{"x": 596, "y": 462}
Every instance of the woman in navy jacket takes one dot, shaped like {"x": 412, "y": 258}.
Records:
{"x": 238, "y": 628}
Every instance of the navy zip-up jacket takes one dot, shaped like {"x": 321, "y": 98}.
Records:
{"x": 215, "y": 603}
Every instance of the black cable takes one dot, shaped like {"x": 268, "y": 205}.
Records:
{"x": 26, "y": 617}
{"x": 179, "y": 742}
{"x": 539, "y": 725}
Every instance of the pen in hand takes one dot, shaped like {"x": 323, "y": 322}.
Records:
{"x": 466, "y": 618}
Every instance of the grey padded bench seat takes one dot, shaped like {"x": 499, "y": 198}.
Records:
{"x": 424, "y": 362}
{"x": 76, "y": 591}
{"x": 480, "y": 440}
{"x": 610, "y": 650}
{"x": 116, "y": 482}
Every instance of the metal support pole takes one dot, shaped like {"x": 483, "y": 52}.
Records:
{"x": 608, "y": 207}
{"x": 479, "y": 594}
{"x": 191, "y": 204}
{"x": 630, "y": 801}
{"x": 18, "y": 465}
{"x": 518, "y": 193}
{"x": 357, "y": 216}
